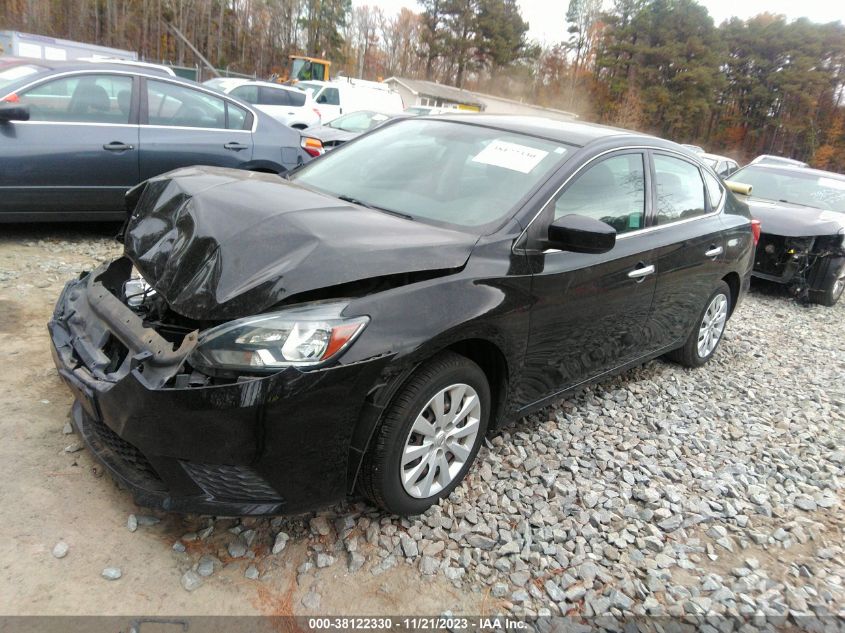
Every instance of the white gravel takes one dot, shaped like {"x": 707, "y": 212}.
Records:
{"x": 663, "y": 491}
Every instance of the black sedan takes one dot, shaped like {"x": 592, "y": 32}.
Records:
{"x": 269, "y": 346}
{"x": 802, "y": 212}
{"x": 76, "y": 137}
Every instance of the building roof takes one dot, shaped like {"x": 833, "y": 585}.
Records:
{"x": 440, "y": 91}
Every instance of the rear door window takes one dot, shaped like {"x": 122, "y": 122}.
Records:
{"x": 180, "y": 106}
{"x": 714, "y": 190}
{"x": 81, "y": 99}
{"x": 680, "y": 189}
{"x": 238, "y": 118}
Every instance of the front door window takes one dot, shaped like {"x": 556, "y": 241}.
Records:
{"x": 81, "y": 99}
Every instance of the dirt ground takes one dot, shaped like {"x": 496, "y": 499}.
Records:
{"x": 50, "y": 495}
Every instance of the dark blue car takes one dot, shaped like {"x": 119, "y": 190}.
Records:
{"x": 75, "y": 137}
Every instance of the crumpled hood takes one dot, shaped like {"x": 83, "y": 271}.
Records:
{"x": 223, "y": 243}
{"x": 794, "y": 220}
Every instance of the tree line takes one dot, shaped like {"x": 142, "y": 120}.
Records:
{"x": 743, "y": 87}
{"x": 763, "y": 85}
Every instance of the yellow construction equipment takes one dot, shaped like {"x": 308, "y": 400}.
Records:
{"x": 303, "y": 68}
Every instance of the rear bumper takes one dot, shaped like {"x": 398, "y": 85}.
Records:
{"x": 270, "y": 445}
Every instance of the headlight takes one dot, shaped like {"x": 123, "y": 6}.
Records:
{"x": 304, "y": 336}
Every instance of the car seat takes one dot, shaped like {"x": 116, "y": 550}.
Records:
{"x": 88, "y": 99}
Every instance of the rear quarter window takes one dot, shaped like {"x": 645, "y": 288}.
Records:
{"x": 273, "y": 96}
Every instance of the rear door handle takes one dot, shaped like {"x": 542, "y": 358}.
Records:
{"x": 640, "y": 273}
{"x": 117, "y": 146}
{"x": 235, "y": 146}
{"x": 714, "y": 251}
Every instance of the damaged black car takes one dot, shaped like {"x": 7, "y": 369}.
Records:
{"x": 270, "y": 345}
{"x": 802, "y": 212}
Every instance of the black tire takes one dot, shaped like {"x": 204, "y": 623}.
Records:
{"x": 688, "y": 354}
{"x": 379, "y": 479}
{"x": 832, "y": 282}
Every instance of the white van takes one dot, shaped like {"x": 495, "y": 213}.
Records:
{"x": 336, "y": 97}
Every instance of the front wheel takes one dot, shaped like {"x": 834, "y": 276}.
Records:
{"x": 833, "y": 282}
{"x": 707, "y": 334}
{"x": 429, "y": 436}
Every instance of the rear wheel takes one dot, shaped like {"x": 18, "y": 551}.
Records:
{"x": 832, "y": 284}
{"x": 707, "y": 334}
{"x": 429, "y": 436}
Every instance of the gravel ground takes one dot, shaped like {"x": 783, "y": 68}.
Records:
{"x": 665, "y": 491}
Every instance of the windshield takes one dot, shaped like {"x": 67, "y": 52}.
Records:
{"x": 809, "y": 189}
{"x": 14, "y": 73}
{"x": 304, "y": 69}
{"x": 358, "y": 121}
{"x": 440, "y": 171}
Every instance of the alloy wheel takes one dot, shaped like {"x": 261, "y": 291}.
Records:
{"x": 440, "y": 441}
{"x": 839, "y": 284}
{"x": 712, "y": 325}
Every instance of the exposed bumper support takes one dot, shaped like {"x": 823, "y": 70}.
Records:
{"x": 258, "y": 445}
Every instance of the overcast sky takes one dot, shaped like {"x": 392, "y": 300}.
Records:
{"x": 546, "y": 17}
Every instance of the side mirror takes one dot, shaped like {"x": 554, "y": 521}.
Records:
{"x": 13, "y": 112}
{"x": 581, "y": 234}
{"x": 738, "y": 187}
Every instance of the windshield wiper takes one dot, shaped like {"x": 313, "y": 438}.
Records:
{"x": 367, "y": 205}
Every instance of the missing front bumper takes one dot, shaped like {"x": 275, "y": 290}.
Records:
{"x": 269, "y": 445}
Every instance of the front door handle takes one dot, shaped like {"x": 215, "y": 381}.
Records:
{"x": 714, "y": 251}
{"x": 642, "y": 272}
{"x": 117, "y": 146}
{"x": 235, "y": 146}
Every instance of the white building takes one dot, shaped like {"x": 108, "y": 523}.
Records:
{"x": 52, "y": 48}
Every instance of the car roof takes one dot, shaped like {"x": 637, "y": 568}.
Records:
{"x": 271, "y": 84}
{"x": 570, "y": 132}
{"x": 784, "y": 159}
{"x": 717, "y": 157}
{"x": 51, "y": 67}
{"x": 73, "y": 66}
{"x": 798, "y": 171}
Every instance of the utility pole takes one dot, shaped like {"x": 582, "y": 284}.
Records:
{"x": 196, "y": 52}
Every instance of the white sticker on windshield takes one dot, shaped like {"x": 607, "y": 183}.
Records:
{"x": 512, "y": 156}
{"x": 833, "y": 183}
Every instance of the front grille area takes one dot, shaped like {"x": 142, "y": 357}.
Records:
{"x": 130, "y": 457}
{"x": 234, "y": 483}
{"x": 771, "y": 257}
